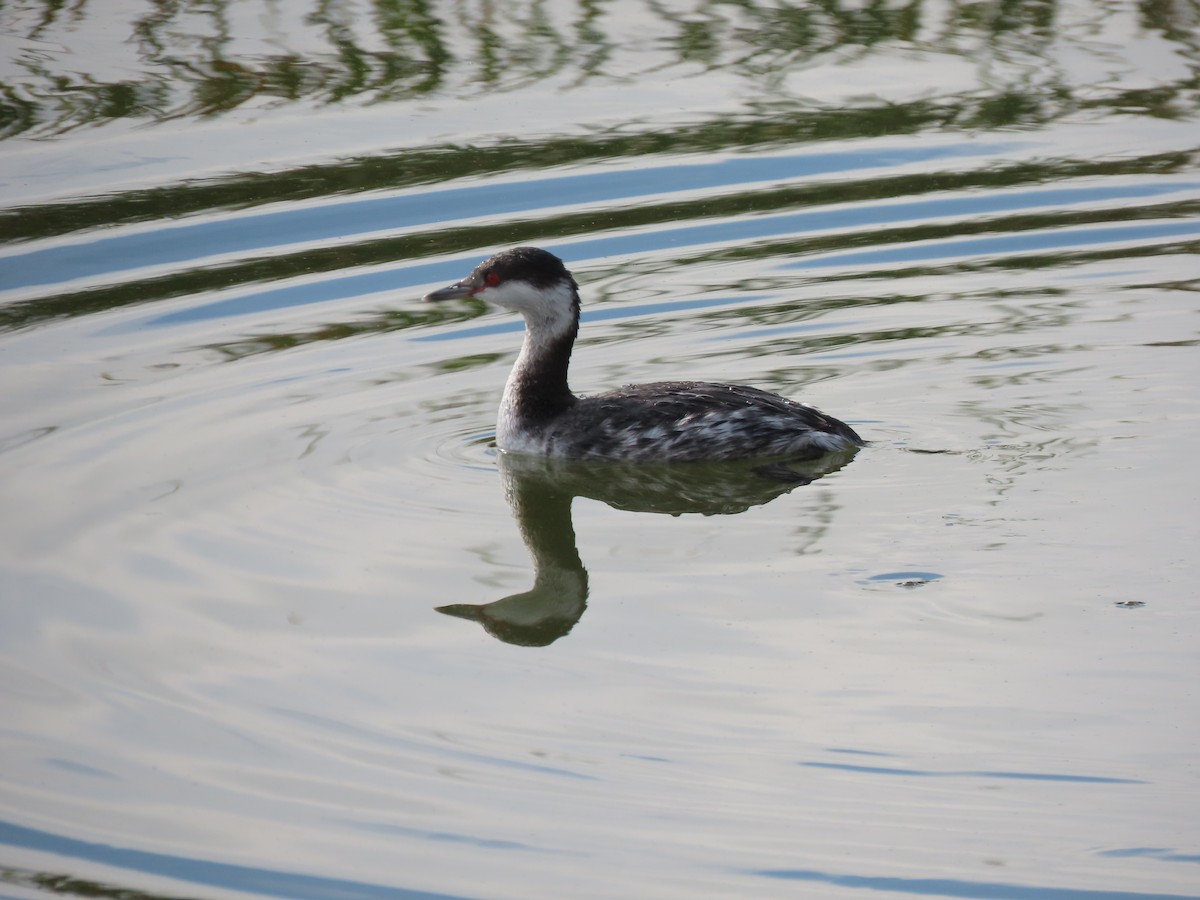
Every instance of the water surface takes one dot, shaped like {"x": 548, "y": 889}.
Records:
{"x": 277, "y": 618}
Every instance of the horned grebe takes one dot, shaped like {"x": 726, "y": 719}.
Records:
{"x": 664, "y": 421}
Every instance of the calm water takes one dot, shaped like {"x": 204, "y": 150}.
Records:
{"x": 277, "y": 619}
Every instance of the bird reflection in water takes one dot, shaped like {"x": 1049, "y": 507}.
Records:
{"x": 539, "y": 491}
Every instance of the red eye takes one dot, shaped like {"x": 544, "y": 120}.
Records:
{"x": 491, "y": 279}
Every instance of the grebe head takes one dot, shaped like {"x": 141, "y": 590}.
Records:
{"x": 526, "y": 280}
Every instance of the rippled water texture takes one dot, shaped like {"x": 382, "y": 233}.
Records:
{"x": 277, "y": 619}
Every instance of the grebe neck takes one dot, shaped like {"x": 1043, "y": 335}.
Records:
{"x": 537, "y": 390}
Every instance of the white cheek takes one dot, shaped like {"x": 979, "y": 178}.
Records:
{"x": 512, "y": 295}
{"x": 551, "y": 306}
